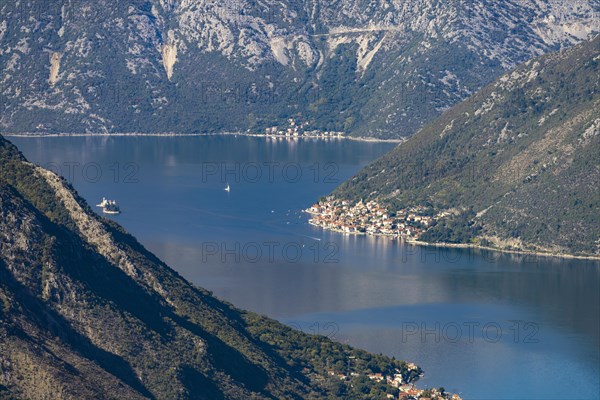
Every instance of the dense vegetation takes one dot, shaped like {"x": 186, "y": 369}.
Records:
{"x": 455, "y": 229}
{"x": 88, "y": 312}
{"x": 516, "y": 165}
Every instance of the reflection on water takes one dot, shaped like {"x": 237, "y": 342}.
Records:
{"x": 442, "y": 308}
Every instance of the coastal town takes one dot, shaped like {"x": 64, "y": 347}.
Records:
{"x": 299, "y": 130}
{"x": 406, "y": 390}
{"x": 370, "y": 218}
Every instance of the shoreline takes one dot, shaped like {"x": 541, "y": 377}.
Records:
{"x": 173, "y": 134}
{"x": 508, "y": 251}
{"x": 416, "y": 242}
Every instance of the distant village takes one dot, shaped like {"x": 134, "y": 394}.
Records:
{"x": 297, "y": 130}
{"x": 407, "y": 390}
{"x": 370, "y": 218}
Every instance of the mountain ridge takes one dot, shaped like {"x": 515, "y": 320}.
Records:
{"x": 161, "y": 66}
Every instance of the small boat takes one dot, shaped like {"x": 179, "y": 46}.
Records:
{"x": 111, "y": 207}
{"x": 228, "y": 189}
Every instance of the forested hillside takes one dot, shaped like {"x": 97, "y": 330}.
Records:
{"x": 515, "y": 166}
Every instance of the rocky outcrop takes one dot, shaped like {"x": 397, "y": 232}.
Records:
{"x": 169, "y": 54}
{"x": 55, "y": 59}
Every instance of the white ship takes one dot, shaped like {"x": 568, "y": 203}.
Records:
{"x": 103, "y": 203}
{"x": 109, "y": 206}
{"x": 228, "y": 189}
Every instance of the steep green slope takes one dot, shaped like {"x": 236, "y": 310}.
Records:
{"x": 87, "y": 312}
{"x": 515, "y": 166}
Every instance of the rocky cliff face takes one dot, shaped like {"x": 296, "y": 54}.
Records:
{"x": 366, "y": 68}
{"x": 87, "y": 312}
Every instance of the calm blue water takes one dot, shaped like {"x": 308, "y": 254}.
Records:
{"x": 490, "y": 326}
